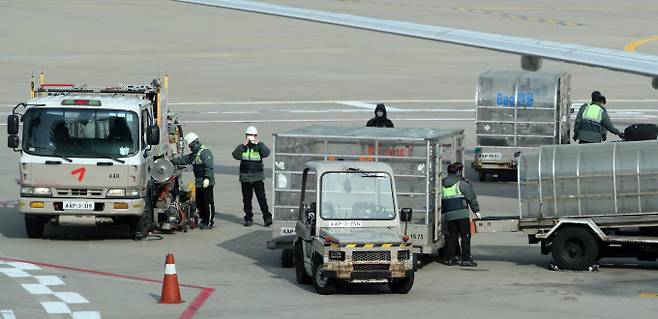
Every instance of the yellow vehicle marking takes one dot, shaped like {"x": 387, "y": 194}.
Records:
{"x": 350, "y": 245}
{"x": 368, "y": 245}
{"x": 387, "y": 245}
{"x": 631, "y": 46}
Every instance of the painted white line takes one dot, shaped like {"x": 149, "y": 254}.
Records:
{"x": 86, "y": 315}
{"x": 14, "y": 273}
{"x": 23, "y": 266}
{"x": 37, "y": 289}
{"x": 50, "y": 280}
{"x": 322, "y": 120}
{"x": 7, "y": 314}
{"x": 71, "y": 297}
{"x": 55, "y": 307}
{"x": 317, "y": 102}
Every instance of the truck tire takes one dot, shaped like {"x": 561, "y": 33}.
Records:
{"x": 300, "y": 270}
{"x": 287, "y": 258}
{"x": 34, "y": 226}
{"x": 322, "y": 284}
{"x": 401, "y": 285}
{"x": 482, "y": 176}
{"x": 140, "y": 225}
{"x": 574, "y": 248}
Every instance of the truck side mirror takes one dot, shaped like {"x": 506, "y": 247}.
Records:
{"x": 310, "y": 215}
{"x": 12, "y": 124}
{"x": 13, "y": 141}
{"x": 153, "y": 135}
{"x": 405, "y": 214}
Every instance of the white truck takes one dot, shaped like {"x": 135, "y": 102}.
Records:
{"x": 92, "y": 156}
{"x": 349, "y": 227}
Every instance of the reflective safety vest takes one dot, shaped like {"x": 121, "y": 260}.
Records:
{"x": 197, "y": 164}
{"x": 452, "y": 199}
{"x": 251, "y": 155}
{"x": 251, "y": 161}
{"x": 593, "y": 112}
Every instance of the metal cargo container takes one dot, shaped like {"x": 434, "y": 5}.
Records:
{"x": 518, "y": 111}
{"x": 419, "y": 158}
{"x": 589, "y": 180}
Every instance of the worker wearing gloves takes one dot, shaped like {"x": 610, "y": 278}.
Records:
{"x": 593, "y": 122}
{"x": 250, "y": 154}
{"x": 201, "y": 159}
{"x": 457, "y": 196}
{"x": 380, "y": 119}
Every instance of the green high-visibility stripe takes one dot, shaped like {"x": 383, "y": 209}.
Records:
{"x": 251, "y": 155}
{"x": 197, "y": 156}
{"x": 452, "y": 191}
{"x": 593, "y": 112}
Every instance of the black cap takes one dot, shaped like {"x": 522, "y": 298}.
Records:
{"x": 596, "y": 96}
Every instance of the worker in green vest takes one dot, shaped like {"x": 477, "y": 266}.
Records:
{"x": 593, "y": 122}
{"x": 201, "y": 159}
{"x": 250, "y": 154}
{"x": 457, "y": 195}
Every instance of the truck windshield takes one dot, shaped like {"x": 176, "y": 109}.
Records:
{"x": 356, "y": 195}
{"x": 80, "y": 133}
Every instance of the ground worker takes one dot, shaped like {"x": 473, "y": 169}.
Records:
{"x": 593, "y": 122}
{"x": 380, "y": 119}
{"x": 250, "y": 154}
{"x": 201, "y": 159}
{"x": 457, "y": 196}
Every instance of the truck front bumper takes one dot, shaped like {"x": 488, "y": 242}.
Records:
{"x": 102, "y": 206}
{"x": 370, "y": 271}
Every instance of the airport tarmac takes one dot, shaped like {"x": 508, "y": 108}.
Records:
{"x": 230, "y": 69}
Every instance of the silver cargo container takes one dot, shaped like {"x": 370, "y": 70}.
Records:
{"x": 516, "y": 112}
{"x": 587, "y": 180}
{"x": 419, "y": 158}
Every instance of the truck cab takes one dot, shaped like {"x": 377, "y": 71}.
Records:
{"x": 86, "y": 155}
{"x": 350, "y": 229}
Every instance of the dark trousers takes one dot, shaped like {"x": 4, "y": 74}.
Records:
{"x": 460, "y": 228}
{"x": 584, "y": 142}
{"x": 205, "y": 201}
{"x": 248, "y": 189}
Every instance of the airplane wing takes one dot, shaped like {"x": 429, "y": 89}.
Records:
{"x": 532, "y": 51}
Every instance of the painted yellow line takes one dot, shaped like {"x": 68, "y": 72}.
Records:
{"x": 649, "y": 294}
{"x": 631, "y": 46}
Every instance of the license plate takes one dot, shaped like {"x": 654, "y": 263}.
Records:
{"x": 490, "y": 156}
{"x": 78, "y": 205}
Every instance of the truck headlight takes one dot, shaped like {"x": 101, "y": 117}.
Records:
{"x": 35, "y": 191}
{"x": 132, "y": 192}
{"x": 27, "y": 190}
{"x": 116, "y": 192}
{"x": 403, "y": 255}
{"x": 336, "y": 255}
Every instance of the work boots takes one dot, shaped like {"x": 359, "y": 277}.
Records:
{"x": 468, "y": 262}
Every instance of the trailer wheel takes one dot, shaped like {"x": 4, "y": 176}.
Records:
{"x": 401, "y": 285}
{"x": 574, "y": 248}
{"x": 286, "y": 258}
{"x": 300, "y": 270}
{"x": 34, "y": 226}
{"x": 321, "y": 282}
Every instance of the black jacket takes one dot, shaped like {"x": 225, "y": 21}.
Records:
{"x": 380, "y": 121}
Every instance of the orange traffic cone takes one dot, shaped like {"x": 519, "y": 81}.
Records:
{"x": 170, "y": 289}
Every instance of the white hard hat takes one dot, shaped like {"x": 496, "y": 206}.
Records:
{"x": 191, "y": 137}
{"x": 251, "y": 130}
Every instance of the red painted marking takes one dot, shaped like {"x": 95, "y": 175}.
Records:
{"x": 189, "y": 312}
{"x": 80, "y": 171}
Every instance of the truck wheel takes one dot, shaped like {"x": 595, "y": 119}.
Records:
{"x": 574, "y": 248}
{"x": 286, "y": 258}
{"x": 321, "y": 282}
{"x": 300, "y": 270}
{"x": 401, "y": 285}
{"x": 482, "y": 176}
{"x": 138, "y": 227}
{"x": 34, "y": 226}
